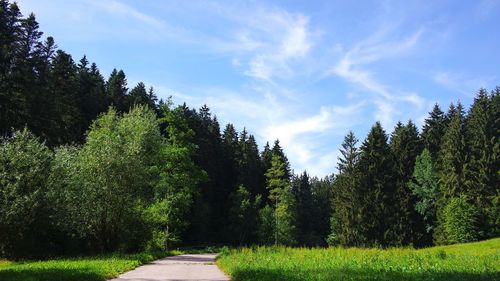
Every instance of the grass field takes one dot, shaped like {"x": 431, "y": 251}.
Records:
{"x": 76, "y": 269}
{"x": 473, "y": 261}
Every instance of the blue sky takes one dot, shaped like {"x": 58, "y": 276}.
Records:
{"x": 305, "y": 72}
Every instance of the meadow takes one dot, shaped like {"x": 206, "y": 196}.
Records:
{"x": 73, "y": 269}
{"x": 472, "y": 261}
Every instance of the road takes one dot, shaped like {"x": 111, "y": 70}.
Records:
{"x": 200, "y": 267}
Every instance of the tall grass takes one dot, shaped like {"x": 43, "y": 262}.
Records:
{"x": 473, "y": 261}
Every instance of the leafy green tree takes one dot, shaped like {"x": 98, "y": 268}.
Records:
{"x": 424, "y": 185}
{"x": 178, "y": 179}
{"x": 24, "y": 165}
{"x": 106, "y": 184}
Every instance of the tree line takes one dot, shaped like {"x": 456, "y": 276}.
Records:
{"x": 440, "y": 186}
{"x": 89, "y": 166}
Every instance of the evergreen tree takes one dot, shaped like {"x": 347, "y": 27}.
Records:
{"x": 243, "y": 214}
{"x": 285, "y": 231}
{"x": 301, "y": 189}
{"x": 406, "y": 146}
{"x": 347, "y": 198}
{"x": 451, "y": 162}
{"x": 277, "y": 150}
{"x": 433, "y": 131}
{"x": 117, "y": 91}
{"x": 377, "y": 190}
{"x": 480, "y": 179}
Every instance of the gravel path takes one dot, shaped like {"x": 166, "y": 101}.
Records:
{"x": 178, "y": 268}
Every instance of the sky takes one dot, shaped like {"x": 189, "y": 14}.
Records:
{"x": 303, "y": 72}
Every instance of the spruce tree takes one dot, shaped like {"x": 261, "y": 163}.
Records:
{"x": 346, "y": 200}
{"x": 285, "y": 229}
{"x": 405, "y": 146}
{"x": 433, "y": 130}
{"x": 117, "y": 91}
{"x": 377, "y": 190}
{"x": 450, "y": 167}
{"x": 480, "y": 179}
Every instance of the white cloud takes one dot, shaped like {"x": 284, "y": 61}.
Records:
{"x": 371, "y": 50}
{"x": 460, "y": 83}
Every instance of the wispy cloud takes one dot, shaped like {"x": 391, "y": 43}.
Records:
{"x": 376, "y": 48}
{"x": 460, "y": 83}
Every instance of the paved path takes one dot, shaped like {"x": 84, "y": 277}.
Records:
{"x": 178, "y": 268}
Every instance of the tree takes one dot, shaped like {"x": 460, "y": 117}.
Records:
{"x": 451, "y": 161}
{"x": 117, "y": 91}
{"x": 433, "y": 131}
{"x": 284, "y": 203}
{"x": 301, "y": 189}
{"x": 480, "y": 178}
{"x": 103, "y": 188}
{"x": 243, "y": 215}
{"x": 277, "y": 150}
{"x": 424, "y": 185}
{"x": 347, "y": 196}
{"x": 92, "y": 99}
{"x": 178, "y": 178}
{"x": 405, "y": 147}
{"x": 24, "y": 164}
{"x": 377, "y": 190}
{"x": 461, "y": 221}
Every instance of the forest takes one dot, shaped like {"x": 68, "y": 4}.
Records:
{"x": 91, "y": 166}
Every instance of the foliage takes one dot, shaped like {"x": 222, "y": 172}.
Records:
{"x": 461, "y": 221}
{"x": 102, "y": 186}
{"x": 24, "y": 165}
{"x": 425, "y": 187}
{"x": 243, "y": 216}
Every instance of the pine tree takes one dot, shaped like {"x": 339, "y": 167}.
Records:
{"x": 377, "y": 189}
{"x": 117, "y": 91}
{"x": 347, "y": 199}
{"x": 406, "y": 146}
{"x": 452, "y": 155}
{"x": 480, "y": 180}
{"x": 450, "y": 167}
{"x": 243, "y": 213}
{"x": 285, "y": 231}
{"x": 301, "y": 189}
{"x": 433, "y": 130}
{"x": 277, "y": 150}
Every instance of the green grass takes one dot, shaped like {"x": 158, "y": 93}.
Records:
{"x": 473, "y": 261}
{"x": 73, "y": 269}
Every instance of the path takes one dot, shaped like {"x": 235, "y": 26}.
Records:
{"x": 178, "y": 268}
